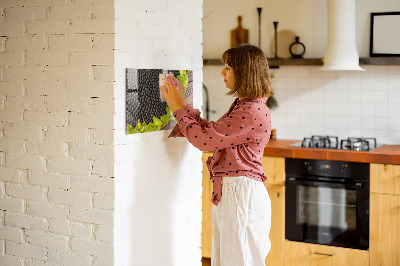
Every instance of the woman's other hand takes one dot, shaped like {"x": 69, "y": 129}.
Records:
{"x": 174, "y": 93}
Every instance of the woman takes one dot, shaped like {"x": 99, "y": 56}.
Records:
{"x": 242, "y": 208}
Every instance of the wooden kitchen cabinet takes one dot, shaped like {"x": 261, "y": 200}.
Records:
{"x": 206, "y": 225}
{"x": 274, "y": 168}
{"x": 305, "y": 254}
{"x": 384, "y": 237}
{"x": 385, "y": 178}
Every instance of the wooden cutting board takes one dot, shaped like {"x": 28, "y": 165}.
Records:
{"x": 239, "y": 35}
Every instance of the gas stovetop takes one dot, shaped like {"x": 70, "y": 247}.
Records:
{"x": 332, "y": 142}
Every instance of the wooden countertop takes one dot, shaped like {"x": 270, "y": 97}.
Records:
{"x": 389, "y": 154}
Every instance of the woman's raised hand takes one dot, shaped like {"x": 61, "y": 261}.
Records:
{"x": 174, "y": 93}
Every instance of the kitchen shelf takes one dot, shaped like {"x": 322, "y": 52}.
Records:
{"x": 274, "y": 63}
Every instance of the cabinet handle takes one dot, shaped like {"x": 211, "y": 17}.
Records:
{"x": 324, "y": 254}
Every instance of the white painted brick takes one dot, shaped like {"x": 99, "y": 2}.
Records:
{"x": 68, "y": 258}
{"x": 69, "y": 197}
{"x": 104, "y": 73}
{"x": 32, "y": 262}
{"x": 46, "y": 209}
{"x": 98, "y": 120}
{"x": 81, "y": 73}
{"x": 56, "y": 103}
{"x": 25, "y": 221}
{"x": 70, "y": 166}
{"x": 11, "y": 88}
{"x": 93, "y": 184}
{"x": 97, "y": 105}
{"x": 12, "y": 204}
{"x": 2, "y": 158}
{"x": 3, "y": 44}
{"x": 12, "y": 117}
{"x": 31, "y": 43}
{"x": 92, "y": 151}
{"x": 24, "y": 132}
{"x": 136, "y": 44}
{"x": 25, "y": 161}
{"x": 91, "y": 26}
{"x": 71, "y": 42}
{"x": 11, "y": 260}
{"x": 11, "y": 59}
{"x": 46, "y": 58}
{"x": 104, "y": 169}
{"x": 82, "y": 230}
{"x": 103, "y": 202}
{"x": 46, "y": 88}
{"x": 47, "y": 240}
{"x": 11, "y": 233}
{"x": 153, "y": 32}
{"x": 95, "y": 216}
{"x": 46, "y": 27}
{"x": 103, "y": 11}
{"x": 56, "y": 149}
{"x": 25, "y": 250}
{"x": 69, "y": 12}
{"x": 12, "y": 29}
{"x": 96, "y": 57}
{"x": 191, "y": 22}
{"x": 101, "y": 136}
{"x": 2, "y": 192}
{"x": 91, "y": 247}
{"x": 46, "y": 118}
{"x": 25, "y": 103}
{"x": 23, "y": 13}
{"x": 74, "y": 135}
{"x": 46, "y": 2}
{"x": 103, "y": 41}
{"x": 104, "y": 233}
{"x": 107, "y": 259}
{"x": 191, "y": 48}
{"x": 60, "y": 227}
{"x": 48, "y": 179}
{"x": 26, "y": 191}
{"x": 12, "y": 145}
{"x": 91, "y": 89}
{"x": 24, "y": 73}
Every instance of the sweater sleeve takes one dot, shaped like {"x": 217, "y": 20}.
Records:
{"x": 231, "y": 130}
{"x": 193, "y": 113}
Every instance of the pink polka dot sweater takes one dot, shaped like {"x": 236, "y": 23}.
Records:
{"x": 238, "y": 139}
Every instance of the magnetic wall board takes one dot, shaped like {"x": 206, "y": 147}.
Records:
{"x": 146, "y": 110}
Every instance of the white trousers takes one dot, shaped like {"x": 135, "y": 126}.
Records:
{"x": 241, "y": 223}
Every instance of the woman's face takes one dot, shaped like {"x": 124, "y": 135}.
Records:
{"x": 229, "y": 76}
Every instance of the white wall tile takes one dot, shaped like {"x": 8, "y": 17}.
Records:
{"x": 364, "y": 99}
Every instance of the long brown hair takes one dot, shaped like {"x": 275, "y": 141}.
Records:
{"x": 250, "y": 66}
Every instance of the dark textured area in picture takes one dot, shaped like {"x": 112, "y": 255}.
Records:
{"x": 146, "y": 109}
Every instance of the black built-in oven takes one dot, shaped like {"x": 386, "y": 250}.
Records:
{"x": 327, "y": 202}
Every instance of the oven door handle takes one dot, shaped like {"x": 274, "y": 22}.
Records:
{"x": 357, "y": 185}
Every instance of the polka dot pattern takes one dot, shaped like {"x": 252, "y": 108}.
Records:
{"x": 238, "y": 139}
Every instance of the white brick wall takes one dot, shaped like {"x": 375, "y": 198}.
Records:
{"x": 56, "y": 132}
{"x": 158, "y": 180}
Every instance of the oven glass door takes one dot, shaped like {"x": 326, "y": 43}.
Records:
{"x": 326, "y": 213}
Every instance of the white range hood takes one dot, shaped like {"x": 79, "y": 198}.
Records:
{"x": 341, "y": 51}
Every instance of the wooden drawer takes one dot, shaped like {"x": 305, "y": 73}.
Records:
{"x": 304, "y": 254}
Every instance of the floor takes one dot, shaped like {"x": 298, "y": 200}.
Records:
{"x": 206, "y": 261}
